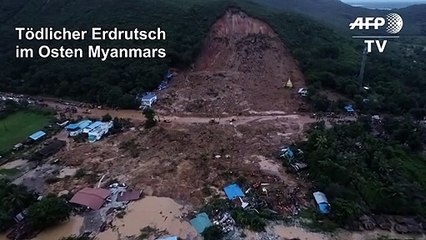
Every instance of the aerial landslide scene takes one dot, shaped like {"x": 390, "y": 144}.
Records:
{"x": 215, "y": 119}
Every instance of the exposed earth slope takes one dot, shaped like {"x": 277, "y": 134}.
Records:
{"x": 243, "y": 67}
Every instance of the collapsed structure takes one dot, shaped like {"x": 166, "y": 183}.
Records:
{"x": 51, "y": 148}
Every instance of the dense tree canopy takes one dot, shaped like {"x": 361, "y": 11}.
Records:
{"x": 328, "y": 59}
{"x": 13, "y": 200}
{"x": 48, "y": 212}
{"x": 361, "y": 173}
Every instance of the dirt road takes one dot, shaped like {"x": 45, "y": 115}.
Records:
{"x": 185, "y": 118}
{"x": 189, "y": 118}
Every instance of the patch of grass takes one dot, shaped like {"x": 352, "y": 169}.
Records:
{"x": 18, "y": 126}
{"x": 9, "y": 172}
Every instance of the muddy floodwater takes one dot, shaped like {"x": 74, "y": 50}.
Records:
{"x": 165, "y": 215}
{"x": 160, "y": 213}
{"x": 71, "y": 227}
{"x": 297, "y": 232}
{"x": 286, "y": 232}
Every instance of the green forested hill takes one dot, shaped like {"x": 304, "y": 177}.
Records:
{"x": 339, "y": 14}
{"x": 328, "y": 58}
{"x": 115, "y": 82}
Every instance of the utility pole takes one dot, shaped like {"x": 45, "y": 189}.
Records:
{"x": 361, "y": 71}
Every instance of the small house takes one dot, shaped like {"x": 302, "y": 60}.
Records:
{"x": 21, "y": 216}
{"x": 299, "y": 166}
{"x": 349, "y": 108}
{"x": 18, "y": 146}
{"x": 286, "y": 153}
{"x": 148, "y": 99}
{"x": 303, "y": 92}
{"x": 321, "y": 200}
{"x": 37, "y": 135}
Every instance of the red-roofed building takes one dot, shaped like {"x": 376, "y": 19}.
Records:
{"x": 93, "y": 198}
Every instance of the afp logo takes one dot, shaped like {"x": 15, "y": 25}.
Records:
{"x": 392, "y": 24}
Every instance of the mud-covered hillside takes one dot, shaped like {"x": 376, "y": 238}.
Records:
{"x": 243, "y": 66}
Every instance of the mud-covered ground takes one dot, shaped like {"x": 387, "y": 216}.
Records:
{"x": 243, "y": 66}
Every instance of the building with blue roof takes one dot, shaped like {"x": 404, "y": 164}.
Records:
{"x": 75, "y": 129}
{"x": 37, "y": 135}
{"x": 286, "y": 153}
{"x": 201, "y": 222}
{"x": 349, "y": 108}
{"x": 92, "y": 126}
{"x": 233, "y": 191}
{"x": 322, "y": 202}
{"x": 168, "y": 238}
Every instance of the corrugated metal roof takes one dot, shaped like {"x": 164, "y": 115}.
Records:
{"x": 320, "y": 197}
{"x": 37, "y": 135}
{"x": 148, "y": 96}
{"x": 201, "y": 222}
{"x": 324, "y": 208}
{"x": 168, "y": 238}
{"x": 94, "y": 125}
{"x": 84, "y": 123}
{"x": 71, "y": 126}
{"x": 233, "y": 191}
{"x": 80, "y": 125}
{"x": 129, "y": 196}
{"x": 91, "y": 197}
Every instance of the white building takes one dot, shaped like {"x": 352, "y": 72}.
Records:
{"x": 148, "y": 99}
{"x": 97, "y": 133}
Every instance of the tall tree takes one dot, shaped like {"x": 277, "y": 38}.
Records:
{"x": 48, "y": 212}
{"x": 150, "y": 117}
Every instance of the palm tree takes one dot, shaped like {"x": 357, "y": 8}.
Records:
{"x": 321, "y": 142}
